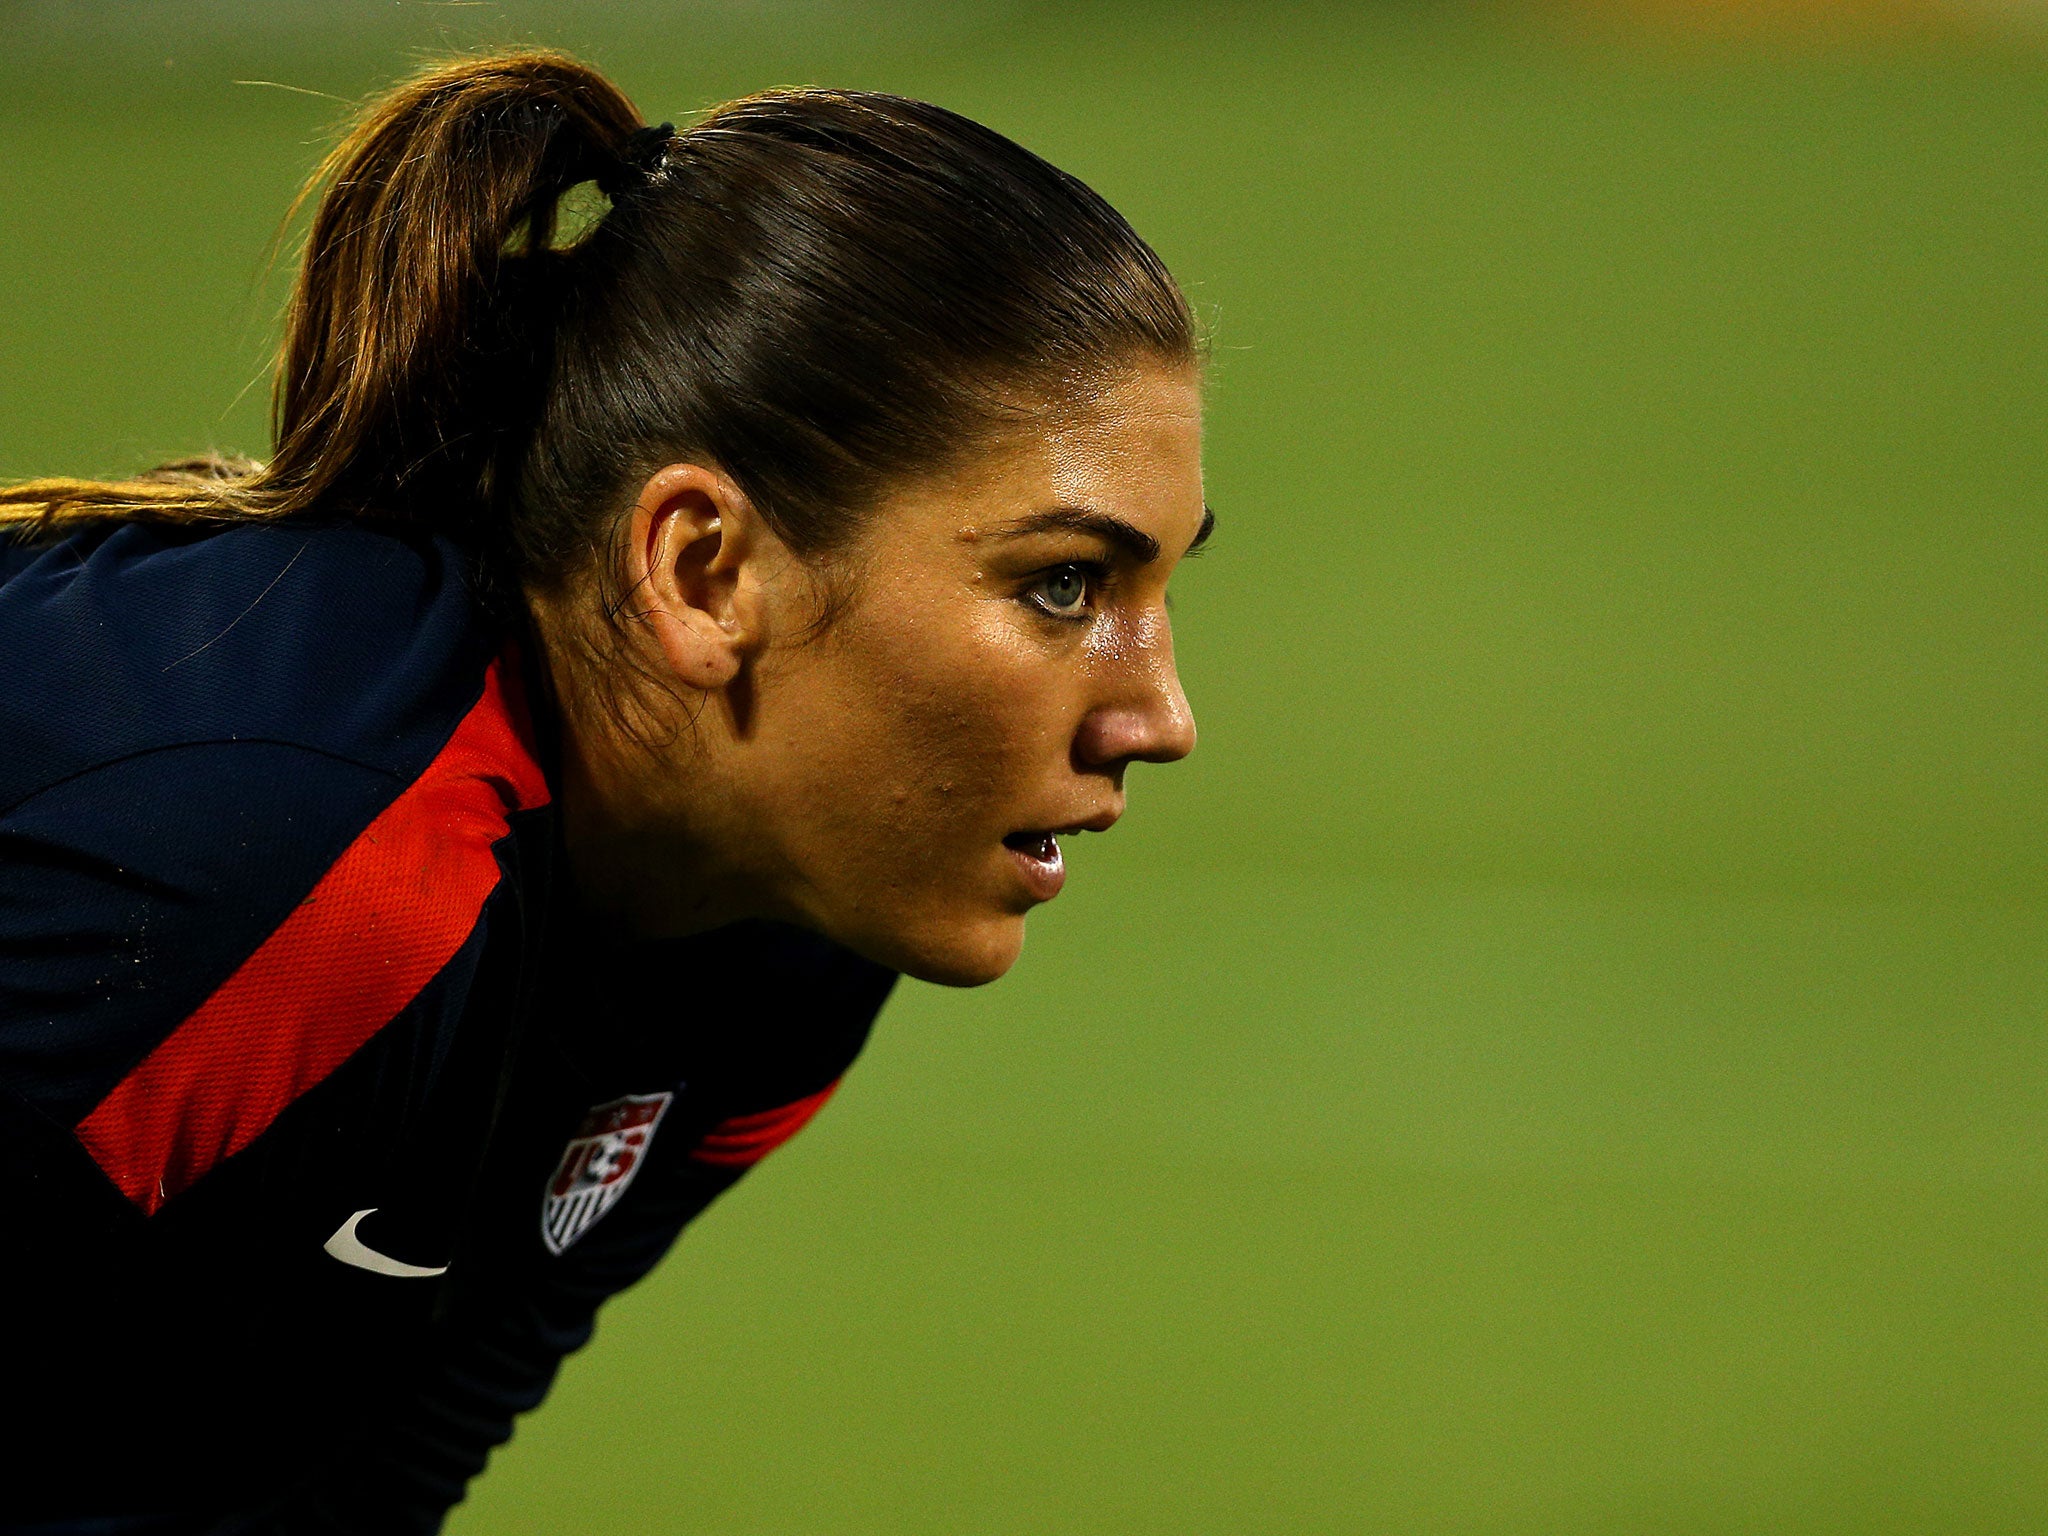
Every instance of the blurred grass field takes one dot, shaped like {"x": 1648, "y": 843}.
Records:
{"x": 1570, "y": 1052}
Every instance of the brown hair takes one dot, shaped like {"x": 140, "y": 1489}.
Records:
{"x": 820, "y": 292}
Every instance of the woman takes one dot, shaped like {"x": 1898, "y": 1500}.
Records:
{"x": 437, "y": 862}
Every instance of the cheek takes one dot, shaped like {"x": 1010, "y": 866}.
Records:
{"x": 965, "y": 739}
{"x": 946, "y": 735}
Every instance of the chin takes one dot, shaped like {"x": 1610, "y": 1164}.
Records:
{"x": 962, "y": 955}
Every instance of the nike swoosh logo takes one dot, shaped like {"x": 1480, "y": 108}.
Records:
{"x": 350, "y": 1249}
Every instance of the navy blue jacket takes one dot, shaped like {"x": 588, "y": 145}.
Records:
{"x": 325, "y": 1125}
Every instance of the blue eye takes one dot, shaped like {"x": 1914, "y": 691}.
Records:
{"x": 1063, "y": 590}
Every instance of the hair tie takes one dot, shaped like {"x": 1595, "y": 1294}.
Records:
{"x": 639, "y": 157}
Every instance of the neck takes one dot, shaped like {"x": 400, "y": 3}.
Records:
{"x": 634, "y": 874}
{"x": 643, "y": 858}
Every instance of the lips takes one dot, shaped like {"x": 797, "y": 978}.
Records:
{"x": 1037, "y": 858}
{"x": 1035, "y": 851}
{"x": 1044, "y": 846}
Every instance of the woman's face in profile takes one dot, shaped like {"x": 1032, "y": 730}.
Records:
{"x": 1002, "y": 655}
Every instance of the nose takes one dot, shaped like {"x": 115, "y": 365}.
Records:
{"x": 1146, "y": 719}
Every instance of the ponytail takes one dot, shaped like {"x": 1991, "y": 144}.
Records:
{"x": 416, "y": 340}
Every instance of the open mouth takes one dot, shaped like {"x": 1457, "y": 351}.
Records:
{"x": 1038, "y": 860}
{"x": 1041, "y": 846}
{"x": 1035, "y": 852}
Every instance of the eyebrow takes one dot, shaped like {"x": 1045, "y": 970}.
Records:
{"x": 1138, "y": 545}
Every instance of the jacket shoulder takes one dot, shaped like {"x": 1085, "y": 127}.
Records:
{"x": 214, "y": 891}
{"x": 340, "y": 639}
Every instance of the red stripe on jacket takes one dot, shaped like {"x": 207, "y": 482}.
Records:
{"x": 745, "y": 1139}
{"x": 384, "y": 919}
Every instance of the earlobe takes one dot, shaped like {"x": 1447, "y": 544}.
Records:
{"x": 685, "y": 537}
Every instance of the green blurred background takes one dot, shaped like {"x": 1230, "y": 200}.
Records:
{"x": 1570, "y": 1052}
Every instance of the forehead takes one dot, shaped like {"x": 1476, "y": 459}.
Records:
{"x": 1132, "y": 449}
{"x": 1139, "y": 438}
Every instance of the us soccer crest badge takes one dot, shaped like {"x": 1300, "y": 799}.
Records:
{"x": 597, "y": 1165}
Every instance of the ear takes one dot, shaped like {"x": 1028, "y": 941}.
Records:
{"x": 689, "y": 537}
